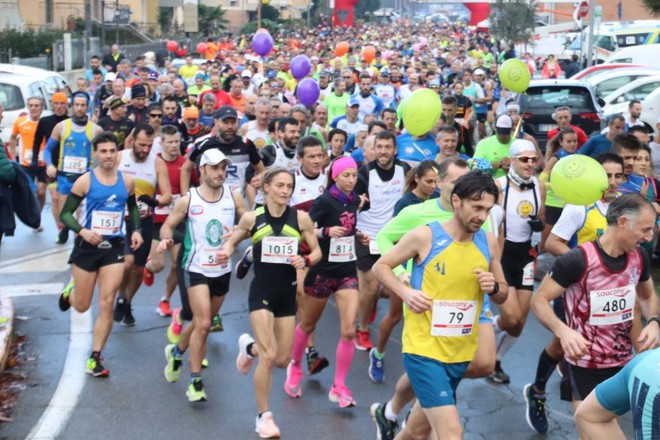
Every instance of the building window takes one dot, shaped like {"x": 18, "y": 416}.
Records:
{"x": 233, "y": 3}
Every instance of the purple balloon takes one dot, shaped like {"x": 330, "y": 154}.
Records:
{"x": 262, "y": 43}
{"x": 300, "y": 66}
{"x": 308, "y": 92}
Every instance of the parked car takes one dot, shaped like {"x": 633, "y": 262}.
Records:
{"x": 607, "y": 83}
{"x": 645, "y": 54}
{"x": 601, "y": 69}
{"x": 56, "y": 82}
{"x": 538, "y": 104}
{"x": 15, "y": 90}
{"x": 647, "y": 91}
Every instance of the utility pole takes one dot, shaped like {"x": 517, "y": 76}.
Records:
{"x": 88, "y": 27}
{"x": 116, "y": 21}
{"x": 102, "y": 25}
{"x": 590, "y": 44}
{"x": 258, "y": 14}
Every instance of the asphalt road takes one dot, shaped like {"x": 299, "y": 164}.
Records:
{"x": 136, "y": 402}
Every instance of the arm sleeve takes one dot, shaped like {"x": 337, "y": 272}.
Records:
{"x": 66, "y": 216}
{"x": 253, "y": 153}
{"x": 48, "y": 152}
{"x": 133, "y": 212}
{"x": 568, "y": 268}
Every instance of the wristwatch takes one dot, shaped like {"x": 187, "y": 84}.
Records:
{"x": 655, "y": 318}
{"x": 496, "y": 289}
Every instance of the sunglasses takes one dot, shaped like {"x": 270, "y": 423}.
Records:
{"x": 527, "y": 159}
{"x": 155, "y": 115}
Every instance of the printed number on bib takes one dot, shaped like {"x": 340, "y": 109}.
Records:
{"x": 612, "y": 306}
{"x": 209, "y": 260}
{"x": 528, "y": 274}
{"x": 278, "y": 250}
{"x": 373, "y": 248}
{"x": 106, "y": 222}
{"x": 342, "y": 249}
{"x": 166, "y": 210}
{"x": 74, "y": 164}
{"x": 453, "y": 318}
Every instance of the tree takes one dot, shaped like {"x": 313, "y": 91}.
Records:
{"x": 365, "y": 7}
{"x": 165, "y": 20}
{"x": 269, "y": 13}
{"x": 513, "y": 20}
{"x": 653, "y": 6}
{"x": 212, "y": 20}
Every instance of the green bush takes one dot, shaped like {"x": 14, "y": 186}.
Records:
{"x": 270, "y": 25}
{"x": 29, "y": 43}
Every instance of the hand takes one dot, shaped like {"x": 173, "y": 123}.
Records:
{"x": 336, "y": 231}
{"x": 405, "y": 278}
{"x": 164, "y": 245}
{"x": 505, "y": 164}
{"x": 224, "y": 254}
{"x": 416, "y": 300}
{"x": 573, "y": 344}
{"x": 363, "y": 200}
{"x": 51, "y": 171}
{"x": 256, "y": 182}
{"x": 136, "y": 240}
{"x": 298, "y": 262}
{"x": 148, "y": 200}
{"x": 650, "y": 336}
{"x": 486, "y": 280}
{"x": 362, "y": 238}
{"x": 91, "y": 237}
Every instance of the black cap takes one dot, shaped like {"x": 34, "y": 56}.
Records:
{"x": 224, "y": 112}
{"x": 138, "y": 91}
{"x": 116, "y": 102}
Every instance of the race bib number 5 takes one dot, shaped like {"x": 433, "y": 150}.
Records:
{"x": 453, "y": 318}
{"x": 209, "y": 260}
{"x": 612, "y": 306}
{"x": 278, "y": 250}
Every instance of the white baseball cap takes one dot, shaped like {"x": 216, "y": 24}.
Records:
{"x": 213, "y": 156}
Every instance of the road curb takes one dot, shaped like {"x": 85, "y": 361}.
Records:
{"x": 6, "y": 329}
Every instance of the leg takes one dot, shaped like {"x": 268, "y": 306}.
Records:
{"x": 445, "y": 423}
{"x": 109, "y": 279}
{"x": 265, "y": 347}
{"x": 171, "y": 282}
{"x": 55, "y": 206}
{"x": 81, "y": 295}
{"x": 368, "y": 290}
{"x": 347, "y": 306}
{"x": 484, "y": 360}
{"x": 41, "y": 194}
{"x": 156, "y": 261}
{"x": 417, "y": 427}
{"x": 200, "y": 304}
{"x": 389, "y": 321}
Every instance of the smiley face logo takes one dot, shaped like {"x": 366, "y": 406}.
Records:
{"x": 574, "y": 168}
{"x": 525, "y": 209}
{"x": 514, "y": 75}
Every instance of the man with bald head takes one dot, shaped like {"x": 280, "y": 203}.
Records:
{"x": 221, "y": 97}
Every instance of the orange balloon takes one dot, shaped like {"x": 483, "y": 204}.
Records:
{"x": 369, "y": 53}
{"x": 341, "y": 49}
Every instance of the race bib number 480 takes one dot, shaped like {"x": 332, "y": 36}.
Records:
{"x": 278, "y": 250}
{"x": 612, "y": 306}
{"x": 453, "y": 318}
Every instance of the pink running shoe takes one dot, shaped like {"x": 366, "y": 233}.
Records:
{"x": 341, "y": 395}
{"x": 293, "y": 377}
{"x": 175, "y": 327}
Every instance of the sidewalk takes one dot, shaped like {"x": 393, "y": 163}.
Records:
{"x": 6, "y": 329}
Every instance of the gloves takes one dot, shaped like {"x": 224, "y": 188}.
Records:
{"x": 148, "y": 200}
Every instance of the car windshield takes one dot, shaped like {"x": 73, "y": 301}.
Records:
{"x": 11, "y": 97}
{"x": 546, "y": 99}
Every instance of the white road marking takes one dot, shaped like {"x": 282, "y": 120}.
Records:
{"x": 29, "y": 257}
{"x": 65, "y": 398}
{"x": 21, "y": 290}
{"x": 49, "y": 261}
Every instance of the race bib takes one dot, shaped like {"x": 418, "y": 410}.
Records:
{"x": 342, "y": 249}
{"x": 612, "y": 306}
{"x": 278, "y": 250}
{"x": 106, "y": 222}
{"x": 209, "y": 260}
{"x": 453, "y": 318}
{"x": 74, "y": 164}
{"x": 373, "y": 248}
{"x": 27, "y": 155}
{"x": 167, "y": 210}
{"x": 528, "y": 274}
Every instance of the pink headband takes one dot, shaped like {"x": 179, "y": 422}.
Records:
{"x": 339, "y": 165}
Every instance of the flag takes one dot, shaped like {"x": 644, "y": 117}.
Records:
{"x": 619, "y": 10}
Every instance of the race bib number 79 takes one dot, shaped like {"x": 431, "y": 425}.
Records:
{"x": 453, "y": 318}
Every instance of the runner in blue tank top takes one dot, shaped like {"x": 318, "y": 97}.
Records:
{"x": 98, "y": 252}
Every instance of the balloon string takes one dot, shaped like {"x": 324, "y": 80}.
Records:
{"x": 520, "y": 120}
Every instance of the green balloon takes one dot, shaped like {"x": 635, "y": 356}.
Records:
{"x": 421, "y": 112}
{"x": 578, "y": 179}
{"x": 515, "y": 75}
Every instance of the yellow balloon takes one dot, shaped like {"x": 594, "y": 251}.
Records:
{"x": 421, "y": 112}
{"x": 515, "y": 75}
{"x": 578, "y": 179}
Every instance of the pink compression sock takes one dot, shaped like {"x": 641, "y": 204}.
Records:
{"x": 344, "y": 357}
{"x": 299, "y": 344}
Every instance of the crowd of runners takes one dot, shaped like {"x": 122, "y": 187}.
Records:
{"x": 339, "y": 200}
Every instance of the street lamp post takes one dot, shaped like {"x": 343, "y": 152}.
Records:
{"x": 309, "y": 14}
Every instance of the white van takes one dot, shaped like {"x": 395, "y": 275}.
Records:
{"x": 646, "y": 54}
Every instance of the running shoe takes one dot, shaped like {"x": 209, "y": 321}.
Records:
{"x": 173, "y": 367}
{"x": 265, "y": 426}
{"x": 293, "y": 377}
{"x": 315, "y": 363}
{"x": 205, "y": 363}
{"x": 363, "y": 340}
{"x": 341, "y": 395}
{"x": 163, "y": 308}
{"x": 175, "y": 327}
{"x": 147, "y": 276}
{"x": 118, "y": 312}
{"x": 535, "y": 412}
{"x": 39, "y": 229}
{"x": 376, "y": 367}
{"x": 498, "y": 375}
{"x": 244, "y": 264}
{"x": 95, "y": 368}
{"x": 128, "y": 320}
{"x": 243, "y": 361}
{"x": 64, "y": 303}
{"x": 216, "y": 324}
{"x": 63, "y": 236}
{"x": 385, "y": 428}
{"x": 195, "y": 391}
